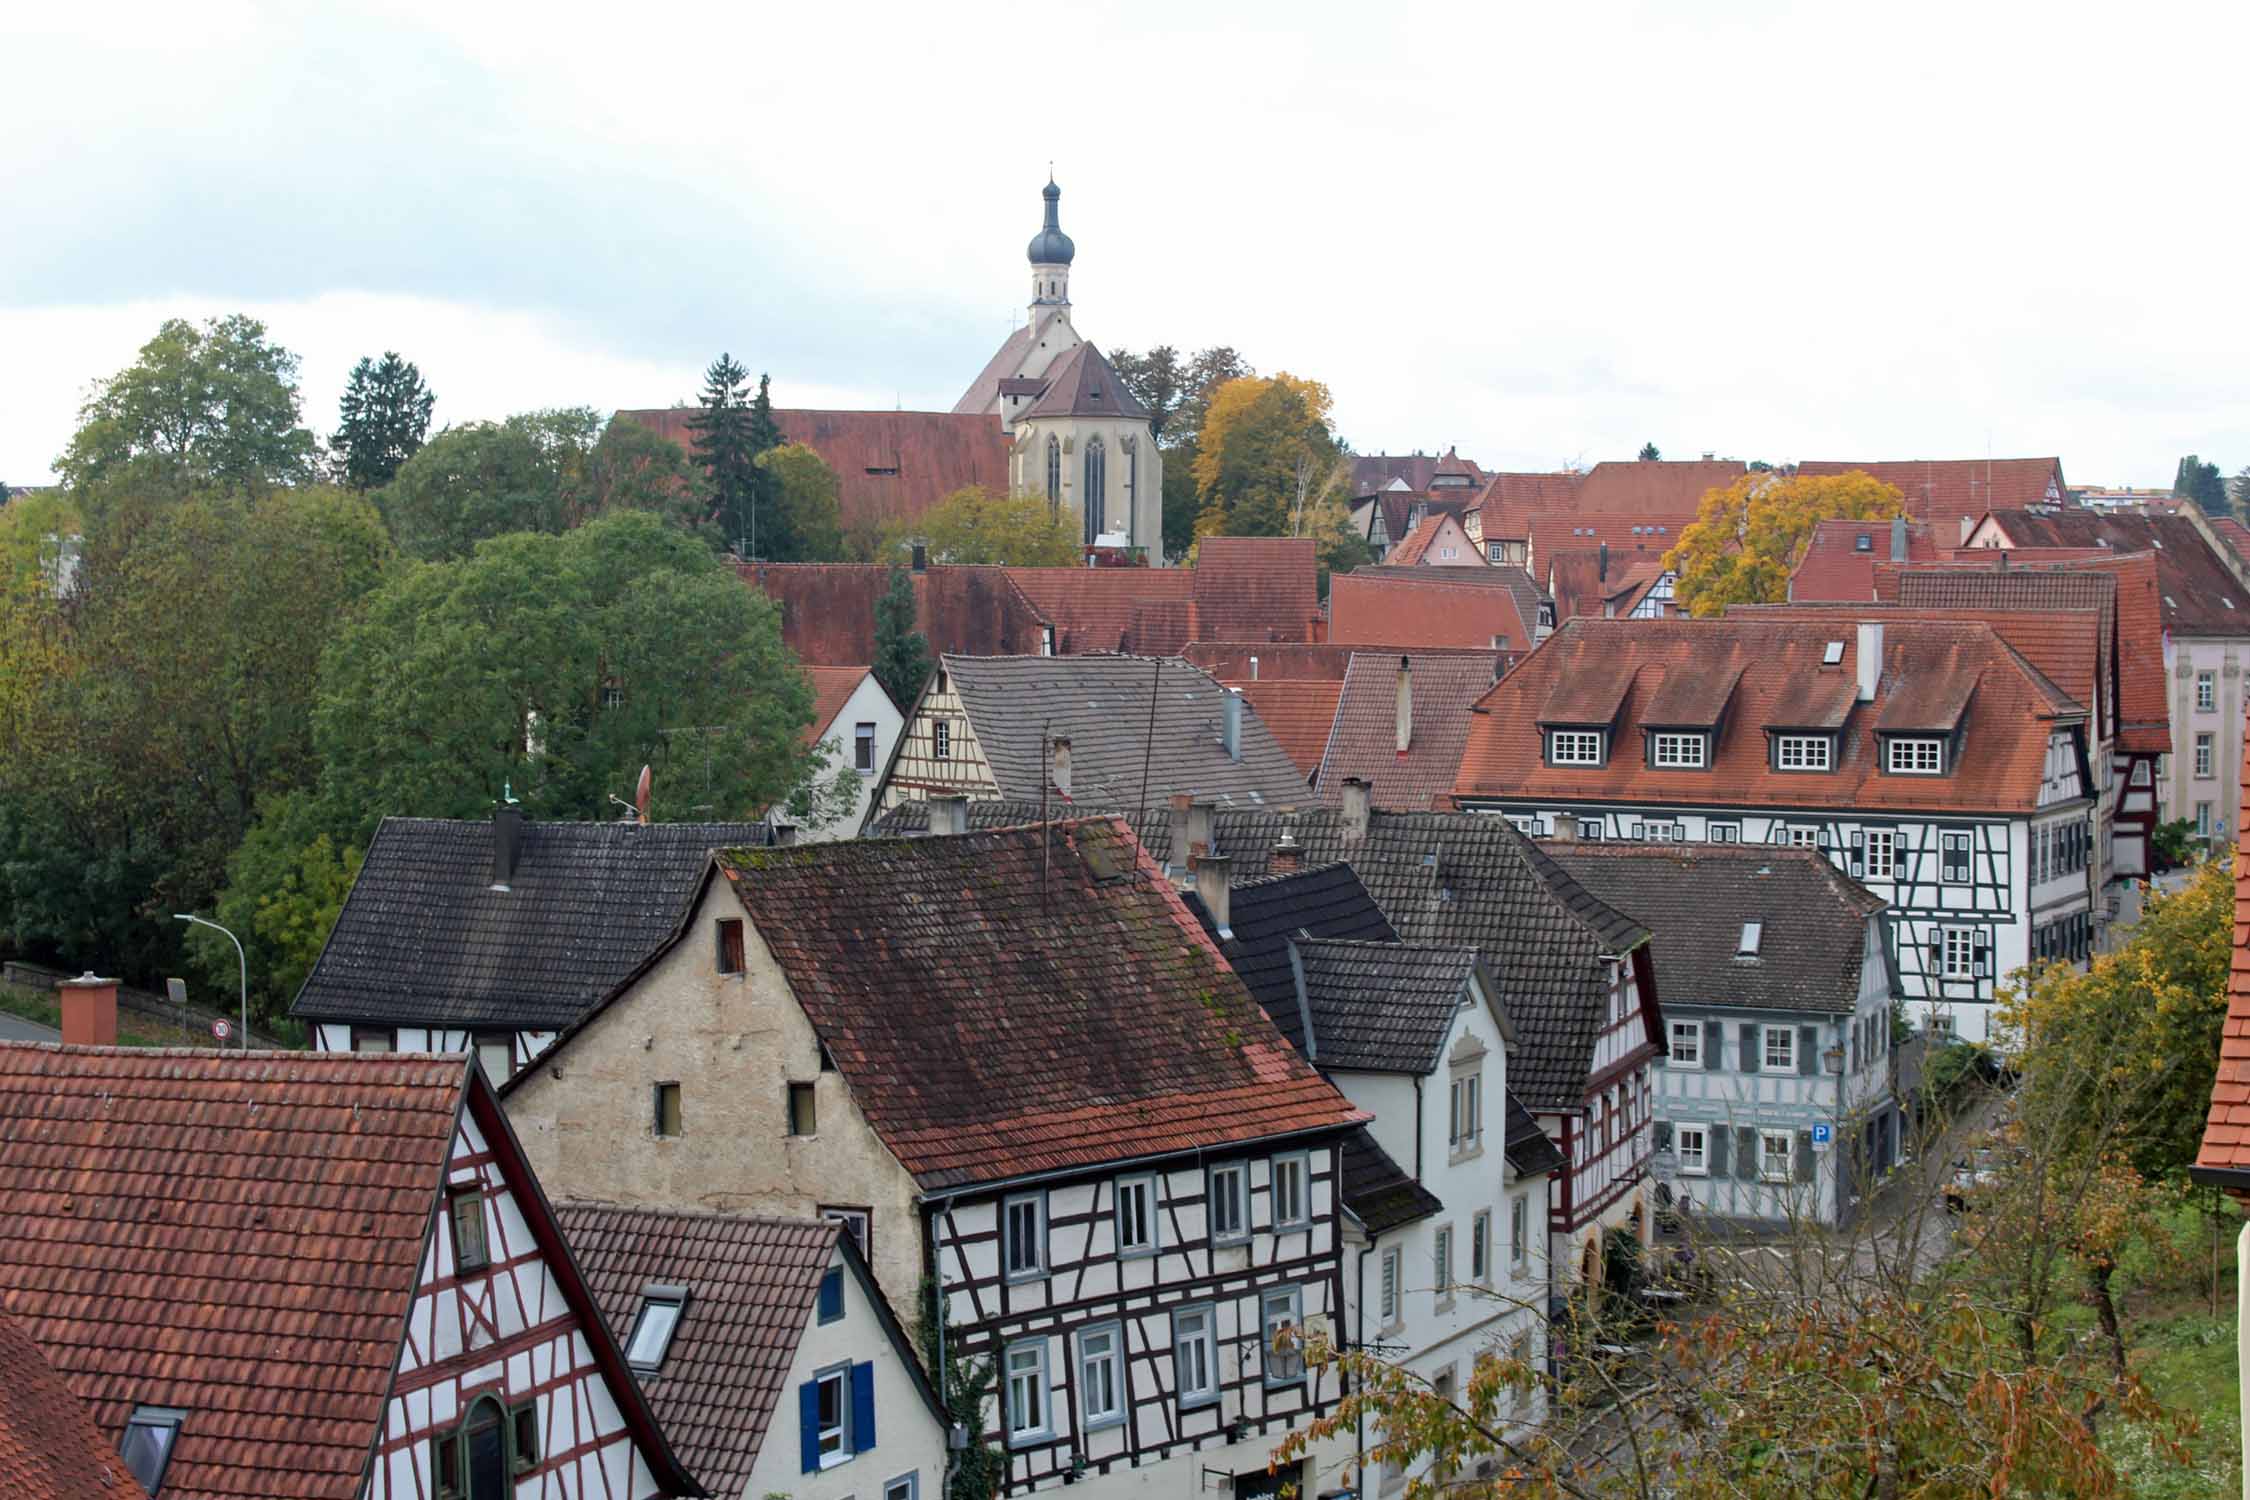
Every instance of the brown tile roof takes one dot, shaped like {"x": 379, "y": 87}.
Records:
{"x": 1094, "y": 609}
{"x": 1371, "y": 472}
{"x": 1507, "y": 576}
{"x": 1365, "y": 744}
{"x": 2233, "y": 533}
{"x": 1251, "y": 588}
{"x": 832, "y": 688}
{"x": 1398, "y": 508}
{"x": 1324, "y": 661}
{"x": 1083, "y": 384}
{"x": 828, "y": 609}
{"x": 1943, "y": 490}
{"x": 1408, "y": 553}
{"x": 952, "y": 979}
{"x": 2201, "y": 593}
{"x": 1300, "y": 711}
{"x": 1626, "y": 536}
{"x": 752, "y": 1282}
{"x": 48, "y": 1442}
{"x": 984, "y": 391}
{"x": 1578, "y": 584}
{"x": 1783, "y": 679}
{"x": 890, "y": 465}
{"x": 2226, "y": 1128}
{"x": 1650, "y": 490}
{"x": 1394, "y": 611}
{"x": 1835, "y": 565}
{"x": 269, "y": 1211}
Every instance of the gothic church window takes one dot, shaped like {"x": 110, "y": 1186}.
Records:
{"x": 1054, "y": 471}
{"x": 1096, "y": 488}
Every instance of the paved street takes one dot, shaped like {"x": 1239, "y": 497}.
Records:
{"x": 17, "y": 1029}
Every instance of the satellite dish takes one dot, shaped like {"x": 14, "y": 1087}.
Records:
{"x": 641, "y": 790}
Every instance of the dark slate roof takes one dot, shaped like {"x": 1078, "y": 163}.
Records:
{"x": 1695, "y": 897}
{"x": 1263, "y": 914}
{"x": 1102, "y": 704}
{"x": 1539, "y": 931}
{"x": 1530, "y": 1151}
{"x": 751, "y": 1284}
{"x": 1382, "y": 1007}
{"x": 955, "y": 983}
{"x": 1083, "y": 384}
{"x": 423, "y": 939}
{"x": 1378, "y": 1190}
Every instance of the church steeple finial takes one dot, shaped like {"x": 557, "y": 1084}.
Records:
{"x": 1050, "y": 254}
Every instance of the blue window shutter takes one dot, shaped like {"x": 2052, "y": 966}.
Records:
{"x": 863, "y": 1408}
{"x": 808, "y": 1425}
{"x": 831, "y": 1296}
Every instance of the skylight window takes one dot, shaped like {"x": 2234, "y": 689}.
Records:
{"x": 659, "y": 1319}
{"x": 1752, "y": 933}
{"x": 150, "y": 1434}
{"x": 1832, "y": 654}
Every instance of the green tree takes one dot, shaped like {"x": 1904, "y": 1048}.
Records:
{"x": 802, "y": 521}
{"x": 200, "y": 409}
{"x": 1177, "y": 393}
{"x": 555, "y": 666}
{"x": 285, "y": 886}
{"x": 637, "y": 468}
{"x": 973, "y": 525}
{"x": 1748, "y": 536}
{"x": 384, "y": 415}
{"x": 2200, "y": 482}
{"x": 2239, "y": 490}
{"x": 1649, "y": 453}
{"x": 729, "y": 432}
{"x": 902, "y": 653}
{"x": 486, "y": 479}
{"x": 1266, "y": 446}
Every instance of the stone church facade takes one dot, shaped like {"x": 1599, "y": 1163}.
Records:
{"x": 1077, "y": 437}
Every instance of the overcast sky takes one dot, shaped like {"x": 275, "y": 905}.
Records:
{"x": 1543, "y": 233}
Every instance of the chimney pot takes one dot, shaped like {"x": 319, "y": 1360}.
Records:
{"x": 1060, "y": 767}
{"x": 1212, "y": 875}
{"x": 1405, "y": 706}
{"x": 89, "y": 1011}
{"x": 1870, "y": 659}
{"x": 1898, "y": 539}
{"x": 949, "y": 815}
{"x": 1230, "y": 734}
{"x": 1358, "y": 794}
{"x": 507, "y": 844}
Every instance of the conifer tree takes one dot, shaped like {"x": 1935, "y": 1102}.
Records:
{"x": 386, "y": 414}
{"x": 721, "y": 431}
{"x": 902, "y": 653}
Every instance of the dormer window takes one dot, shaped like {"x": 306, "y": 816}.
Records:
{"x": 1575, "y": 747}
{"x": 1863, "y": 543}
{"x": 1803, "y": 752}
{"x": 1914, "y": 757}
{"x": 1679, "y": 752}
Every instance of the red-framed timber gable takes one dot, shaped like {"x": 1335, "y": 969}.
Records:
{"x": 1614, "y": 1153}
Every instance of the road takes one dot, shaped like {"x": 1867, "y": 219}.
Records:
{"x": 17, "y": 1029}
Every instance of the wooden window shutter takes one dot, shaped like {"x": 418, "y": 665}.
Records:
{"x": 1804, "y": 1156}
{"x": 863, "y": 1405}
{"x": 1751, "y": 1061}
{"x": 1745, "y": 1154}
{"x": 808, "y": 1425}
{"x": 1715, "y": 1149}
{"x": 1714, "y": 1045}
{"x": 1808, "y": 1050}
{"x": 1663, "y": 1135}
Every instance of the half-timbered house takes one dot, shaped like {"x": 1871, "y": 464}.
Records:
{"x": 344, "y": 1280}
{"x": 1015, "y": 1066}
{"x": 1574, "y": 973}
{"x": 493, "y": 936}
{"x": 1927, "y": 758}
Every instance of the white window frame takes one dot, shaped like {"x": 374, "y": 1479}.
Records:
{"x": 1723, "y": 833}
{"x": 1196, "y": 1329}
{"x": 1574, "y": 747}
{"x": 1464, "y": 1121}
{"x": 1145, "y": 1189}
{"x": 1675, "y": 751}
{"x": 844, "y": 1451}
{"x": 1804, "y": 752}
{"x": 1276, "y": 1368}
{"x": 1011, "y": 1266}
{"x": 2204, "y": 758}
{"x": 2206, "y": 691}
{"x": 1441, "y": 1263}
{"x": 662, "y": 1308}
{"x": 1694, "y": 1160}
{"x": 1885, "y": 839}
{"x": 2202, "y": 820}
{"x": 1519, "y": 1231}
{"x": 1389, "y": 1294}
{"x": 907, "y": 1486}
{"x": 1801, "y": 837}
{"x": 1480, "y": 1247}
{"x": 1788, "y": 1038}
{"x": 1920, "y": 756}
{"x": 1238, "y": 1197}
{"x": 1958, "y": 953}
{"x": 1295, "y": 1168}
{"x": 941, "y": 739}
{"x": 1693, "y": 1031}
{"x": 1091, "y": 1364}
{"x": 1035, "y": 1370}
{"x": 863, "y": 733}
{"x": 1788, "y": 1172}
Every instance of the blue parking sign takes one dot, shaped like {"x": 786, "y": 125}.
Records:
{"x": 1820, "y": 1135}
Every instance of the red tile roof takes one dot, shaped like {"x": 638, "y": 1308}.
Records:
{"x": 1395, "y": 611}
{"x": 1944, "y": 490}
{"x": 1325, "y": 661}
{"x": 1576, "y": 583}
{"x": 48, "y": 1442}
{"x": 2201, "y": 590}
{"x": 1624, "y": 535}
{"x": 2233, "y": 533}
{"x": 1652, "y": 489}
{"x": 1782, "y": 682}
{"x": 1836, "y": 567}
{"x": 1299, "y": 711}
{"x": 1093, "y": 609}
{"x": 1398, "y": 508}
{"x": 832, "y": 688}
{"x": 952, "y": 980}
{"x": 2226, "y": 1128}
{"x": 890, "y": 465}
{"x": 1442, "y": 691}
{"x": 828, "y": 609}
{"x": 1409, "y": 551}
{"x": 1255, "y": 588}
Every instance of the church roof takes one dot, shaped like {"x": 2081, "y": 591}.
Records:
{"x": 984, "y": 391}
{"x": 1084, "y": 384}
{"x": 1050, "y": 246}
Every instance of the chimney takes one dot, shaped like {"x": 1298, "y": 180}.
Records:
{"x": 1968, "y": 524}
{"x": 1870, "y": 659}
{"x": 1287, "y": 856}
{"x": 1898, "y": 539}
{"x": 1059, "y": 768}
{"x": 949, "y": 815}
{"x": 1253, "y": 669}
{"x": 1601, "y": 562}
{"x": 921, "y": 558}
{"x": 1230, "y": 732}
{"x": 1357, "y": 791}
{"x": 1198, "y": 833}
{"x": 507, "y": 843}
{"x": 784, "y": 834}
{"x": 89, "y": 1011}
{"x": 1211, "y": 888}
{"x": 1566, "y": 828}
{"x": 1177, "y": 865}
{"x": 1405, "y": 707}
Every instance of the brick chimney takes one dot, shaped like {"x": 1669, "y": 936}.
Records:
{"x": 949, "y": 815}
{"x": 1357, "y": 794}
{"x": 1405, "y": 707}
{"x": 507, "y": 844}
{"x": 1212, "y": 876}
{"x": 1177, "y": 866}
{"x": 1287, "y": 856}
{"x": 89, "y": 1010}
{"x": 1198, "y": 833}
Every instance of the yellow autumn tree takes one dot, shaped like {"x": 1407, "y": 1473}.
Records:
{"x": 1748, "y": 537}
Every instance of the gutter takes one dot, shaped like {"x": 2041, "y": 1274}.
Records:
{"x": 2233, "y": 1179}
{"x": 1115, "y": 1165}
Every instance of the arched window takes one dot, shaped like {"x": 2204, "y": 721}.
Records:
{"x": 1054, "y": 471}
{"x": 479, "y": 1459}
{"x": 1132, "y": 488}
{"x": 1096, "y": 488}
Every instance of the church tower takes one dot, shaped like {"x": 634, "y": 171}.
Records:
{"x": 1051, "y": 253}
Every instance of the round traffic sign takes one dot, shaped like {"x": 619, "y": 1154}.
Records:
{"x": 221, "y": 1029}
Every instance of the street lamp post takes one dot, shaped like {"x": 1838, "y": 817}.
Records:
{"x": 239, "y": 959}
